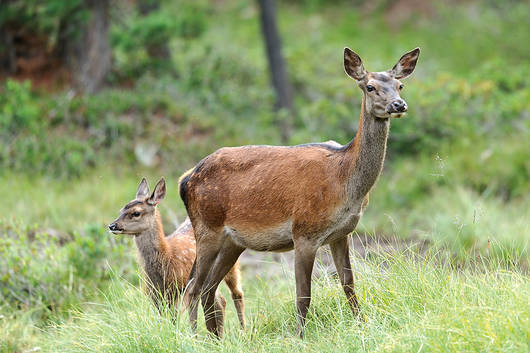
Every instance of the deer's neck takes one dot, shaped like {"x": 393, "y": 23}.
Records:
{"x": 152, "y": 246}
{"x": 364, "y": 156}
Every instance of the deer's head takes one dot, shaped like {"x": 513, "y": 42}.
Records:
{"x": 382, "y": 90}
{"x": 139, "y": 215}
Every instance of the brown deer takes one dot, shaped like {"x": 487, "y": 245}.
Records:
{"x": 167, "y": 261}
{"x": 276, "y": 198}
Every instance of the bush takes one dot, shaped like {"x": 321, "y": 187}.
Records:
{"x": 132, "y": 36}
{"x": 43, "y": 17}
{"x": 50, "y": 272}
{"x": 19, "y": 111}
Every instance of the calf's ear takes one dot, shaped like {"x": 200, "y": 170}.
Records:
{"x": 143, "y": 190}
{"x": 158, "y": 194}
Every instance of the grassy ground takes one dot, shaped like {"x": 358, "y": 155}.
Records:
{"x": 409, "y": 306}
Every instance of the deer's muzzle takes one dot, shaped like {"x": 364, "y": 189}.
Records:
{"x": 397, "y": 109}
{"x": 113, "y": 227}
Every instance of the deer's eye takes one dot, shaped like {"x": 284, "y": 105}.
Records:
{"x": 370, "y": 88}
{"x": 135, "y": 214}
{"x": 400, "y": 87}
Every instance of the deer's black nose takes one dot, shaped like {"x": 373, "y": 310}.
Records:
{"x": 397, "y": 106}
{"x": 113, "y": 227}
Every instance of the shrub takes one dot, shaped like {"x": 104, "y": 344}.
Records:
{"x": 19, "y": 111}
{"x": 50, "y": 272}
{"x": 44, "y": 17}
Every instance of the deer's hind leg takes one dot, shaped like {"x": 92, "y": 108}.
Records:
{"x": 208, "y": 247}
{"x": 225, "y": 260}
{"x": 233, "y": 281}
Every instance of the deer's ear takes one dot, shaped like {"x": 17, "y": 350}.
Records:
{"x": 158, "y": 194}
{"x": 353, "y": 65}
{"x": 406, "y": 64}
{"x": 143, "y": 190}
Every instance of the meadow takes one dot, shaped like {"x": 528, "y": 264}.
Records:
{"x": 454, "y": 194}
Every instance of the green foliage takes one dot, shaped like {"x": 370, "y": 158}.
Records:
{"x": 450, "y": 109}
{"x": 315, "y": 5}
{"x": 24, "y": 146}
{"x": 133, "y": 36}
{"x": 19, "y": 109}
{"x": 44, "y": 17}
{"x": 49, "y": 272}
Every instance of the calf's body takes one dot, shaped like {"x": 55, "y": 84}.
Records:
{"x": 167, "y": 261}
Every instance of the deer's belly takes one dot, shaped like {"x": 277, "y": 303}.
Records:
{"x": 278, "y": 238}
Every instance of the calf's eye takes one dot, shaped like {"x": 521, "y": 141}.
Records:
{"x": 136, "y": 214}
{"x": 370, "y": 88}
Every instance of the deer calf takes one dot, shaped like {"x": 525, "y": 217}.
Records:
{"x": 167, "y": 261}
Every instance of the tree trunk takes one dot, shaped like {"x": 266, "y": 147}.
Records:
{"x": 8, "y": 63}
{"x": 155, "y": 50}
{"x": 88, "y": 53}
{"x": 277, "y": 67}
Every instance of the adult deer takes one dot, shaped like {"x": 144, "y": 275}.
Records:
{"x": 167, "y": 261}
{"x": 276, "y": 198}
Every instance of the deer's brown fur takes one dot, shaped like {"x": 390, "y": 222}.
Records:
{"x": 276, "y": 198}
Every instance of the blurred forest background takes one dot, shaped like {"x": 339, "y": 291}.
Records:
{"x": 95, "y": 94}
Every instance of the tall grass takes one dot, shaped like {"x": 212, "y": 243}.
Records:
{"x": 458, "y": 219}
{"x": 409, "y": 304}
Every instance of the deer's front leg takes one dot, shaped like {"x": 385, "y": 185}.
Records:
{"x": 341, "y": 256}
{"x": 304, "y": 258}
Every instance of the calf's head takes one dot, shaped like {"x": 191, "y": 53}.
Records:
{"x": 139, "y": 215}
